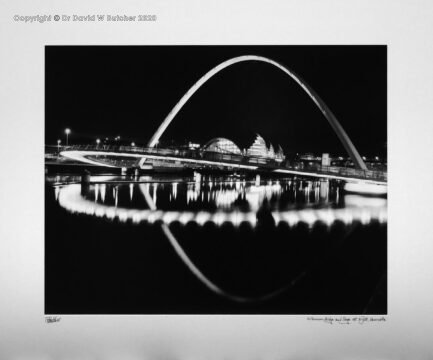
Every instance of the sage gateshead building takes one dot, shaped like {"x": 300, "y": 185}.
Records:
{"x": 258, "y": 149}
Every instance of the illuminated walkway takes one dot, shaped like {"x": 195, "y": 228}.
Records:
{"x": 97, "y": 155}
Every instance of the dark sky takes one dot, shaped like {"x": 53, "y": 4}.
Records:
{"x": 100, "y": 91}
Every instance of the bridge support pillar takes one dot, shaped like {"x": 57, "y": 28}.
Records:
{"x": 85, "y": 177}
{"x": 85, "y": 182}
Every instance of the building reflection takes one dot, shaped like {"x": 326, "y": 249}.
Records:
{"x": 234, "y": 201}
{"x": 220, "y": 194}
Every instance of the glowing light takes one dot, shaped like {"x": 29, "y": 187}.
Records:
{"x": 328, "y": 217}
{"x": 154, "y": 216}
{"x": 155, "y": 185}
{"x": 291, "y": 218}
{"x": 362, "y": 201}
{"x": 131, "y": 191}
{"x": 219, "y": 218}
{"x": 366, "y": 188}
{"x": 67, "y": 132}
{"x": 103, "y": 178}
{"x": 324, "y": 190}
{"x": 96, "y": 192}
{"x": 257, "y": 180}
{"x": 56, "y": 192}
{"x": 185, "y": 217}
{"x": 202, "y": 217}
{"x": 103, "y": 192}
{"x": 174, "y": 190}
{"x": 170, "y": 217}
{"x": 70, "y": 198}
{"x": 328, "y": 176}
{"x": 308, "y": 216}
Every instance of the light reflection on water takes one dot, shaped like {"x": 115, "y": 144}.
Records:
{"x": 218, "y": 200}
{"x": 289, "y": 253}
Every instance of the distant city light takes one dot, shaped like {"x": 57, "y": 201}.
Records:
{"x": 377, "y": 157}
{"x": 98, "y": 141}
{"x": 67, "y": 132}
{"x": 193, "y": 145}
{"x": 59, "y": 141}
{"x": 364, "y": 158}
{"x": 133, "y": 144}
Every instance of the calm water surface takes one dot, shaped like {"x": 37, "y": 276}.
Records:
{"x": 198, "y": 244}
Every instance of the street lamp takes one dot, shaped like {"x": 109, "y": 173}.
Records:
{"x": 67, "y": 132}
{"x": 133, "y": 144}
{"x": 58, "y": 145}
{"x": 98, "y": 141}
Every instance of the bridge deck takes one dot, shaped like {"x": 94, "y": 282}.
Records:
{"x": 200, "y": 159}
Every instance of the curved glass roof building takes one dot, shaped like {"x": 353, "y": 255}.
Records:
{"x": 222, "y": 145}
{"x": 257, "y": 149}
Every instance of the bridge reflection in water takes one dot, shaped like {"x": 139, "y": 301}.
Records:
{"x": 232, "y": 201}
{"x": 248, "y": 241}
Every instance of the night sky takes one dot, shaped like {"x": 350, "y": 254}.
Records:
{"x": 100, "y": 92}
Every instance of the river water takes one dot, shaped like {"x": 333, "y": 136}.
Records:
{"x": 201, "y": 244}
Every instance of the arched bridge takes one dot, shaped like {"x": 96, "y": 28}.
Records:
{"x": 97, "y": 154}
{"x": 342, "y": 135}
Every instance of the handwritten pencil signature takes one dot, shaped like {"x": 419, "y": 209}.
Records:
{"x": 346, "y": 320}
{"x": 52, "y": 319}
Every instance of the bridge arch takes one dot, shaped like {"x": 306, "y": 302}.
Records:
{"x": 342, "y": 135}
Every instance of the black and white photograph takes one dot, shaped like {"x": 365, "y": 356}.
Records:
{"x": 216, "y": 180}
{"x": 236, "y": 180}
